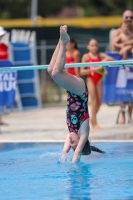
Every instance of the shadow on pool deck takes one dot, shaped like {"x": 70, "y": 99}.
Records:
{"x": 50, "y": 124}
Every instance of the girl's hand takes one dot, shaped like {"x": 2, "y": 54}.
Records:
{"x": 95, "y": 69}
{"x": 127, "y": 69}
{"x": 76, "y": 157}
{"x": 63, "y": 157}
{"x": 84, "y": 71}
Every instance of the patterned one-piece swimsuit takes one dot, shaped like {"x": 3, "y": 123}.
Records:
{"x": 77, "y": 110}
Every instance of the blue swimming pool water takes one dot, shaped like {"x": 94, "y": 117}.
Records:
{"x": 33, "y": 171}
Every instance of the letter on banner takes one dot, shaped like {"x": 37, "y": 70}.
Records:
{"x": 123, "y": 77}
{"x": 7, "y": 88}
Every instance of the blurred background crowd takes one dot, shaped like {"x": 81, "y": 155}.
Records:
{"x": 100, "y": 31}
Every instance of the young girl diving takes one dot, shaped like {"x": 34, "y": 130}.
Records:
{"x": 77, "y": 102}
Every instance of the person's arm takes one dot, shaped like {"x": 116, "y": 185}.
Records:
{"x": 79, "y": 148}
{"x": 77, "y": 60}
{"x": 66, "y": 149}
{"x": 115, "y": 35}
{"x": 117, "y": 42}
{"x": 128, "y": 42}
{"x": 105, "y": 57}
{"x": 83, "y": 70}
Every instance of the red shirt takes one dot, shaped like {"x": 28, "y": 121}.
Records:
{"x": 3, "y": 51}
{"x": 70, "y": 59}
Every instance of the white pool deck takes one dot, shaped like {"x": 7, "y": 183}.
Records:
{"x": 49, "y": 124}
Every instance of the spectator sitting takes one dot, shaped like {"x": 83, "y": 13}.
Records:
{"x": 3, "y": 56}
{"x": 121, "y": 40}
{"x": 128, "y": 18}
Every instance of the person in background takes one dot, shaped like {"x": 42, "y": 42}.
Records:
{"x": 124, "y": 36}
{"x": 72, "y": 56}
{"x": 94, "y": 78}
{"x": 127, "y": 17}
{"x": 3, "y": 47}
{"x": 3, "y": 56}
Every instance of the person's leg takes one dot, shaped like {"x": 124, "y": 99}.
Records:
{"x": 123, "y": 118}
{"x": 67, "y": 81}
{"x": 54, "y": 57}
{"x": 130, "y": 109}
{"x": 99, "y": 94}
{"x": 2, "y": 122}
{"x": 124, "y": 53}
{"x": 94, "y": 101}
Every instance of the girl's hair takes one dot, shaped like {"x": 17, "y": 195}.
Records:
{"x": 72, "y": 40}
{"x": 87, "y": 149}
{"x": 91, "y": 40}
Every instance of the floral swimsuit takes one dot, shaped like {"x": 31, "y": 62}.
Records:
{"x": 77, "y": 110}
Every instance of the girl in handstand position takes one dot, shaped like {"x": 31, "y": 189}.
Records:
{"x": 77, "y": 102}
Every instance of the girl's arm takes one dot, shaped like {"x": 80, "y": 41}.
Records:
{"x": 84, "y": 133}
{"x": 83, "y": 70}
{"x": 78, "y": 150}
{"x": 105, "y": 57}
{"x": 66, "y": 149}
{"x": 67, "y": 146}
{"x": 77, "y": 60}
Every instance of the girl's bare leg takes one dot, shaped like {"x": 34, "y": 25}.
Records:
{"x": 65, "y": 80}
{"x": 54, "y": 57}
{"x": 99, "y": 94}
{"x": 94, "y": 103}
{"x": 99, "y": 100}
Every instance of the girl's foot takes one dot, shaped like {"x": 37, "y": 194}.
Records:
{"x": 64, "y": 37}
{"x": 122, "y": 122}
{"x": 97, "y": 127}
